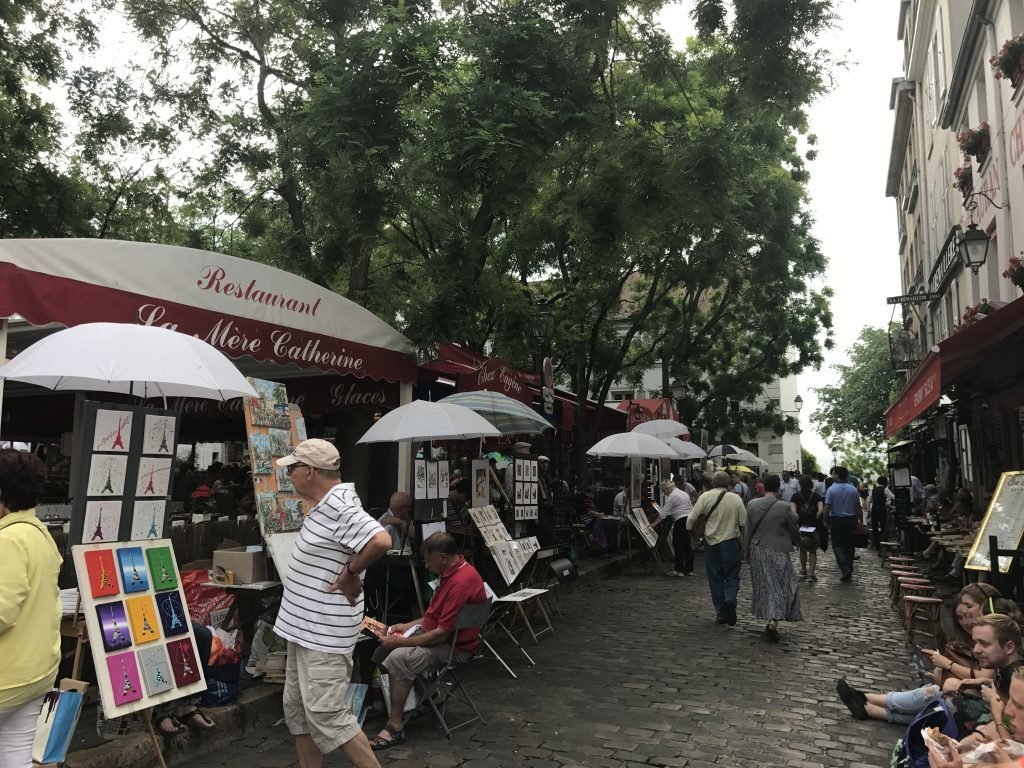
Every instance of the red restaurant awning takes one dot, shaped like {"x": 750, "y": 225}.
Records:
{"x": 244, "y": 308}
{"x": 953, "y": 358}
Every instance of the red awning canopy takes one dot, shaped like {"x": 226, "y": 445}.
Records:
{"x": 950, "y": 360}
{"x": 244, "y": 308}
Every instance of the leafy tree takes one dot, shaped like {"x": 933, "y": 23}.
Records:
{"x": 862, "y": 456}
{"x": 855, "y": 406}
{"x": 38, "y": 197}
{"x": 808, "y": 462}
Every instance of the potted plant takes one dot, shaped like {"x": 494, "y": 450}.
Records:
{"x": 975, "y": 141}
{"x": 964, "y": 179}
{"x": 1015, "y": 272}
{"x": 203, "y": 501}
{"x": 1009, "y": 62}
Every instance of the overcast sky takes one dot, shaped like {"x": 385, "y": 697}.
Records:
{"x": 856, "y": 222}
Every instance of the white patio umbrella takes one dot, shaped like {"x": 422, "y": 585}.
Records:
{"x": 746, "y": 457}
{"x": 662, "y": 428}
{"x": 632, "y": 445}
{"x": 687, "y": 451}
{"x": 423, "y": 420}
{"x": 509, "y": 416}
{"x": 140, "y": 360}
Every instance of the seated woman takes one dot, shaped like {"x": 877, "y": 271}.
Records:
{"x": 974, "y": 601}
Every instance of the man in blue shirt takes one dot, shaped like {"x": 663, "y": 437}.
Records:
{"x": 842, "y": 505}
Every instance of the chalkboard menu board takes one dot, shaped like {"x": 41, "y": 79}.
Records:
{"x": 1004, "y": 519}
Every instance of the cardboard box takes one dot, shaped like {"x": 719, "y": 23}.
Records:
{"x": 247, "y": 567}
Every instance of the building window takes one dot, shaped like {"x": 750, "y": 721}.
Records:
{"x": 774, "y": 402}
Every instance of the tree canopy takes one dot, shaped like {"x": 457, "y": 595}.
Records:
{"x": 854, "y": 407}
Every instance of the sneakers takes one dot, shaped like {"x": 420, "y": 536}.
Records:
{"x": 854, "y": 700}
{"x": 812, "y": 577}
{"x": 729, "y": 611}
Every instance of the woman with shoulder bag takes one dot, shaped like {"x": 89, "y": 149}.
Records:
{"x": 773, "y": 533}
{"x": 30, "y": 607}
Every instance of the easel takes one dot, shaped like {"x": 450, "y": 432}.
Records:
{"x": 77, "y": 630}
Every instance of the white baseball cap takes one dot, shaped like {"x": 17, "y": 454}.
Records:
{"x": 313, "y": 453}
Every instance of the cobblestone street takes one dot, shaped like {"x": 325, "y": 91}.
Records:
{"x": 638, "y": 674}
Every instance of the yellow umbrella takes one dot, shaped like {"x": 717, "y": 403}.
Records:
{"x": 741, "y": 468}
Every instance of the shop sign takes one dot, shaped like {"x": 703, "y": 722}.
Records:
{"x": 912, "y": 298}
{"x": 947, "y": 263}
{"x": 496, "y": 376}
{"x": 922, "y": 392}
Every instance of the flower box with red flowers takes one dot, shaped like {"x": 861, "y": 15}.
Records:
{"x": 1015, "y": 271}
{"x": 975, "y": 141}
{"x": 963, "y": 179}
{"x": 1009, "y": 62}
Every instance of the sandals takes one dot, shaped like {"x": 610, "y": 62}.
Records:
{"x": 397, "y": 737}
{"x": 196, "y": 719}
{"x": 167, "y": 725}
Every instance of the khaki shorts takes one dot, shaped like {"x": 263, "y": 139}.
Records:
{"x": 315, "y": 700}
{"x": 406, "y": 664}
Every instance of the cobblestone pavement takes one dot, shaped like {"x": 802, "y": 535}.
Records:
{"x": 638, "y": 674}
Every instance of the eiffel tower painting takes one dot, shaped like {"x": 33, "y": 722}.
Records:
{"x": 135, "y": 577}
{"x": 153, "y": 532}
{"x": 149, "y": 483}
{"x": 186, "y": 662}
{"x": 98, "y": 533}
{"x": 126, "y": 685}
{"x": 163, "y": 439}
{"x": 108, "y": 485}
{"x": 116, "y": 638}
{"x": 147, "y": 628}
{"x": 118, "y": 442}
{"x": 158, "y": 677}
{"x": 105, "y": 582}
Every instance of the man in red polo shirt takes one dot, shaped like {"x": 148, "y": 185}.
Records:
{"x": 424, "y": 651}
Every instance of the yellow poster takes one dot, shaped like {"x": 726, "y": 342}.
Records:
{"x": 142, "y": 619}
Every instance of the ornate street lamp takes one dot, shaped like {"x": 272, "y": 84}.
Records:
{"x": 973, "y": 248}
{"x": 798, "y": 403}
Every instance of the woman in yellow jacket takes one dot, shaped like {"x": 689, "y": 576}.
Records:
{"x": 30, "y": 608}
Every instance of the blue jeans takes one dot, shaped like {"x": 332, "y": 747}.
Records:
{"x": 722, "y": 564}
{"x": 842, "y": 541}
{"x": 903, "y": 706}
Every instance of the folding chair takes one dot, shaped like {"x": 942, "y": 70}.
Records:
{"x": 447, "y": 682}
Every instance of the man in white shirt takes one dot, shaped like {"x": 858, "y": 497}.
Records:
{"x": 619, "y": 504}
{"x": 790, "y": 485}
{"x": 321, "y": 610}
{"x": 677, "y": 507}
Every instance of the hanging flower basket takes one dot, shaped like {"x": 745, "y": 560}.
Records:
{"x": 1009, "y": 62}
{"x": 963, "y": 179}
{"x": 975, "y": 141}
{"x": 1015, "y": 271}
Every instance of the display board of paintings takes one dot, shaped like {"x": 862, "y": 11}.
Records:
{"x": 639, "y": 520}
{"x": 1004, "y": 520}
{"x": 525, "y": 488}
{"x": 123, "y": 472}
{"x": 138, "y": 623}
{"x": 274, "y": 427}
{"x": 510, "y": 555}
{"x": 430, "y": 485}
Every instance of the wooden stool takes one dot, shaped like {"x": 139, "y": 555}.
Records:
{"x": 896, "y": 586}
{"x": 888, "y": 550}
{"x": 898, "y": 561}
{"x": 912, "y": 590}
{"x": 895, "y": 576}
{"x": 924, "y": 618}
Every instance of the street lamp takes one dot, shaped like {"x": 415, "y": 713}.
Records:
{"x": 973, "y": 248}
{"x": 543, "y": 330}
{"x": 835, "y": 456}
{"x": 798, "y": 403}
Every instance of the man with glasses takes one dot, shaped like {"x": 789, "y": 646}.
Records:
{"x": 321, "y": 610}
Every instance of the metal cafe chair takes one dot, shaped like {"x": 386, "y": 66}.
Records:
{"x": 437, "y": 690}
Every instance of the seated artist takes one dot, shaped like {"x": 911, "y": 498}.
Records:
{"x": 410, "y": 657}
{"x": 397, "y": 521}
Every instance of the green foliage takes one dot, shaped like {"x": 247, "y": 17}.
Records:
{"x": 864, "y": 457}
{"x": 808, "y": 462}
{"x": 866, "y": 384}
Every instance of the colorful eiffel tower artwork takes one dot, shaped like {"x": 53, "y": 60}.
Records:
{"x": 108, "y": 486}
{"x": 158, "y": 677}
{"x": 186, "y": 662}
{"x": 173, "y": 615}
{"x": 147, "y": 628}
{"x": 118, "y": 442}
{"x": 164, "y": 575}
{"x": 104, "y": 579}
{"x": 115, "y": 632}
{"x": 149, "y": 483}
{"x": 126, "y": 685}
{"x": 153, "y": 532}
{"x": 136, "y": 578}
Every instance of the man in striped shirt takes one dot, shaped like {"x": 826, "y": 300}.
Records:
{"x": 321, "y": 611}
